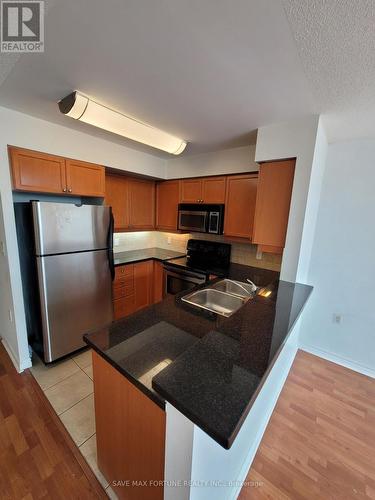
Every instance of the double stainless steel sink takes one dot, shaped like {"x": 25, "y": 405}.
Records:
{"x": 224, "y": 297}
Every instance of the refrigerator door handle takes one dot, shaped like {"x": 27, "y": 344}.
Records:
{"x": 110, "y": 243}
{"x": 111, "y": 264}
{"x": 111, "y": 228}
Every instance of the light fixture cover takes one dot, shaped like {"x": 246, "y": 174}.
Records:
{"x": 80, "y": 107}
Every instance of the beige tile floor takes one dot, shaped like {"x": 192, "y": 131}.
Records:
{"x": 69, "y": 388}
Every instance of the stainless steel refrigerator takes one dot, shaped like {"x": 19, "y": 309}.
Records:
{"x": 67, "y": 270}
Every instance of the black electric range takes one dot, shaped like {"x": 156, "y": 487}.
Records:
{"x": 203, "y": 260}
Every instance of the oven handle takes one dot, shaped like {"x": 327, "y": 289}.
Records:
{"x": 193, "y": 278}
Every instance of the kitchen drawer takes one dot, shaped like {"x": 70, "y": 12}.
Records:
{"x": 123, "y": 306}
{"x": 123, "y": 291}
{"x": 127, "y": 281}
{"x": 123, "y": 274}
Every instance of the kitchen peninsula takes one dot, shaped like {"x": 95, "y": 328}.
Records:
{"x": 172, "y": 371}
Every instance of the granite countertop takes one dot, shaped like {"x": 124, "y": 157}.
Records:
{"x": 131, "y": 256}
{"x": 207, "y": 366}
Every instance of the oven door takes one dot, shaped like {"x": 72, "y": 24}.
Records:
{"x": 177, "y": 281}
{"x": 195, "y": 221}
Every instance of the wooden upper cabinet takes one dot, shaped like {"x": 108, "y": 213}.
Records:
{"x": 273, "y": 203}
{"x": 240, "y": 205}
{"x": 85, "y": 179}
{"x": 191, "y": 191}
{"x": 213, "y": 190}
{"x": 44, "y": 173}
{"x": 116, "y": 196}
{"x": 167, "y": 198}
{"x": 203, "y": 190}
{"x": 141, "y": 203}
{"x": 37, "y": 172}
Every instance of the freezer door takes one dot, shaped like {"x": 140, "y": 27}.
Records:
{"x": 64, "y": 227}
{"x": 76, "y": 297}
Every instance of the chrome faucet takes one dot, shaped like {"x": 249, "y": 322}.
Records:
{"x": 243, "y": 288}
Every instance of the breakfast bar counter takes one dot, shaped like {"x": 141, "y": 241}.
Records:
{"x": 207, "y": 366}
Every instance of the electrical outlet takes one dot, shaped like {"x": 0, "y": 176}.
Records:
{"x": 2, "y": 248}
{"x": 10, "y": 314}
{"x": 337, "y": 318}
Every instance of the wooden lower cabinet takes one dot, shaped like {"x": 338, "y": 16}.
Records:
{"x": 158, "y": 281}
{"x": 143, "y": 283}
{"x": 130, "y": 434}
{"x": 137, "y": 286}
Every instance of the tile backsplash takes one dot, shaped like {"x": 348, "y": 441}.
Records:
{"x": 242, "y": 253}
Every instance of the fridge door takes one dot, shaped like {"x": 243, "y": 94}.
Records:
{"x": 64, "y": 227}
{"x": 76, "y": 297}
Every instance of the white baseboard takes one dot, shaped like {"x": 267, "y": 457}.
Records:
{"x": 347, "y": 363}
{"x": 20, "y": 365}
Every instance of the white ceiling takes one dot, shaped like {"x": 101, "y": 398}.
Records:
{"x": 208, "y": 71}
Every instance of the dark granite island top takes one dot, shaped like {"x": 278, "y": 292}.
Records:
{"x": 132, "y": 256}
{"x": 208, "y": 367}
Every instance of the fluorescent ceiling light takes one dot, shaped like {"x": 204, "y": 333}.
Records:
{"x": 82, "y": 108}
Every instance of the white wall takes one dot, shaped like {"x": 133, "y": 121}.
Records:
{"x": 22, "y": 130}
{"x": 342, "y": 265}
{"x": 304, "y": 139}
{"x": 228, "y": 161}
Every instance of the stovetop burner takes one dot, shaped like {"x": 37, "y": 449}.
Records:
{"x": 209, "y": 257}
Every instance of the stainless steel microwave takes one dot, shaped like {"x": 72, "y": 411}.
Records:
{"x": 201, "y": 218}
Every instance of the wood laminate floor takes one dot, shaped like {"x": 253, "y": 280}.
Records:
{"x": 320, "y": 441}
{"x": 38, "y": 458}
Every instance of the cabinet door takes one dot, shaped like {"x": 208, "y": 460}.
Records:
{"x": 141, "y": 204}
{"x": 273, "y": 203}
{"x": 240, "y": 205}
{"x": 158, "y": 279}
{"x": 191, "y": 191}
{"x": 143, "y": 273}
{"x": 130, "y": 434}
{"x": 85, "y": 179}
{"x": 37, "y": 172}
{"x": 167, "y": 198}
{"x": 116, "y": 196}
{"x": 213, "y": 190}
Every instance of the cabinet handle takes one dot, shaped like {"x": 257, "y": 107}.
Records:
{"x": 64, "y": 190}
{"x": 70, "y": 190}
